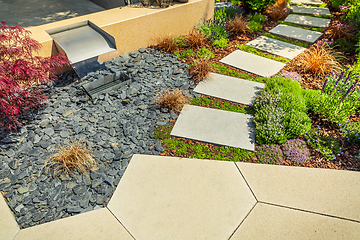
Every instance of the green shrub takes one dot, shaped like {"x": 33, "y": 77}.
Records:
{"x": 212, "y": 29}
{"x": 220, "y": 15}
{"x": 258, "y": 5}
{"x": 254, "y": 26}
{"x": 327, "y": 145}
{"x": 257, "y": 18}
{"x": 205, "y": 53}
{"x": 221, "y": 43}
{"x": 353, "y": 14}
{"x": 184, "y": 54}
{"x": 180, "y": 41}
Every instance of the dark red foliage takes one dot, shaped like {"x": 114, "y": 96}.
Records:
{"x": 21, "y": 74}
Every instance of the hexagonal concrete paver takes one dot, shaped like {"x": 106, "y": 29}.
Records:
{"x": 174, "y": 198}
{"x": 94, "y": 225}
{"x": 273, "y": 222}
{"x": 8, "y": 225}
{"x": 326, "y": 191}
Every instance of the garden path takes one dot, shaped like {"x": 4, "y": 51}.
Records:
{"x": 213, "y": 126}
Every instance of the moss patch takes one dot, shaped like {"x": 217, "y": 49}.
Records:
{"x": 285, "y": 40}
{"x": 229, "y": 72}
{"x": 298, "y": 26}
{"x": 252, "y": 50}
{"x": 222, "y": 105}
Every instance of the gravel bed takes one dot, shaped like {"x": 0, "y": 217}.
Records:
{"x": 115, "y": 125}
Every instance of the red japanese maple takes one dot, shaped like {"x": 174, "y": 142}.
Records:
{"x": 21, "y": 74}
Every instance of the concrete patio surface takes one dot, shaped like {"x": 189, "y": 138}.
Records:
{"x": 178, "y": 198}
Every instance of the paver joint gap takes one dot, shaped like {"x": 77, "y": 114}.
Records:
{"x": 307, "y": 211}
{"x": 121, "y": 223}
{"x": 246, "y": 182}
{"x": 243, "y": 220}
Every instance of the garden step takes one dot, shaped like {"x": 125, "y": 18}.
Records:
{"x": 249, "y": 62}
{"x": 310, "y": 10}
{"x": 230, "y": 88}
{"x": 296, "y": 33}
{"x": 276, "y": 47}
{"x": 308, "y": 21}
{"x": 216, "y": 126}
{"x": 312, "y": 2}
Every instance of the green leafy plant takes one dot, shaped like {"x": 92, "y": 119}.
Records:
{"x": 253, "y": 50}
{"x": 254, "y": 26}
{"x": 327, "y": 145}
{"x": 337, "y": 3}
{"x": 353, "y": 15}
{"x": 205, "y": 53}
{"x": 310, "y": 5}
{"x": 221, "y": 43}
{"x": 285, "y": 40}
{"x": 182, "y": 55}
{"x": 212, "y": 29}
{"x": 229, "y": 72}
{"x": 350, "y": 131}
{"x": 180, "y": 41}
{"x": 257, "y": 18}
{"x": 257, "y": 5}
{"x": 220, "y": 15}
{"x": 271, "y": 154}
{"x": 328, "y": 16}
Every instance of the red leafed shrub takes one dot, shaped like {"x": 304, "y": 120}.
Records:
{"x": 21, "y": 74}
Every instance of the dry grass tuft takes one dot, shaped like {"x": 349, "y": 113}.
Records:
{"x": 200, "y": 69}
{"x": 172, "y": 100}
{"x": 238, "y": 25}
{"x": 167, "y": 43}
{"x": 69, "y": 157}
{"x": 319, "y": 60}
{"x": 196, "y": 39}
{"x": 342, "y": 31}
{"x": 277, "y": 11}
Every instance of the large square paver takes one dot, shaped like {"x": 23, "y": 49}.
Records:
{"x": 308, "y": 21}
{"x": 8, "y": 225}
{"x": 178, "y": 198}
{"x": 330, "y": 192}
{"x": 94, "y": 225}
{"x": 253, "y": 63}
{"x": 278, "y": 223}
{"x": 230, "y": 88}
{"x": 216, "y": 126}
{"x": 276, "y": 47}
{"x": 310, "y": 10}
{"x": 296, "y": 33}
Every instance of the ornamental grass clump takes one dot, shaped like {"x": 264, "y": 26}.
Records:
{"x": 296, "y": 151}
{"x": 238, "y": 25}
{"x": 167, "y": 43}
{"x": 341, "y": 30}
{"x": 319, "y": 60}
{"x": 195, "y": 39}
{"x": 271, "y": 154}
{"x": 74, "y": 155}
{"x": 172, "y": 100}
{"x": 200, "y": 69}
{"x": 22, "y": 73}
{"x": 278, "y": 11}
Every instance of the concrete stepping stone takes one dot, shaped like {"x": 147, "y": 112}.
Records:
{"x": 8, "y": 226}
{"x": 216, "y": 126}
{"x": 310, "y": 10}
{"x": 296, "y": 33}
{"x": 179, "y": 199}
{"x": 309, "y": 2}
{"x": 230, "y": 88}
{"x": 308, "y": 21}
{"x": 274, "y": 222}
{"x": 276, "y": 47}
{"x": 261, "y": 66}
{"x": 325, "y": 191}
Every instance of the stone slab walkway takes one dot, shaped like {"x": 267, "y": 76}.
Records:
{"x": 216, "y": 126}
{"x": 229, "y": 88}
{"x": 296, "y": 33}
{"x": 310, "y": 10}
{"x": 308, "y": 21}
{"x": 179, "y": 198}
{"x": 313, "y": 2}
{"x": 276, "y": 47}
{"x": 253, "y": 63}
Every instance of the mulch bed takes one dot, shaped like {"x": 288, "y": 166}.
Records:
{"x": 346, "y": 161}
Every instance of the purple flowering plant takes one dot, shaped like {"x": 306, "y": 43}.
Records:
{"x": 327, "y": 145}
{"x": 344, "y": 8}
{"x": 271, "y": 154}
{"x": 325, "y": 42}
{"x": 350, "y": 131}
{"x": 293, "y": 75}
{"x": 296, "y": 151}
{"x": 213, "y": 29}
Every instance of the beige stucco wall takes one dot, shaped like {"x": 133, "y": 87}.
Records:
{"x": 133, "y": 27}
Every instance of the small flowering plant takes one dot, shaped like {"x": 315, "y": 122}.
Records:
{"x": 344, "y": 9}
{"x": 325, "y": 42}
{"x": 327, "y": 145}
{"x": 296, "y": 151}
{"x": 213, "y": 29}
{"x": 271, "y": 154}
{"x": 293, "y": 75}
{"x": 350, "y": 131}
